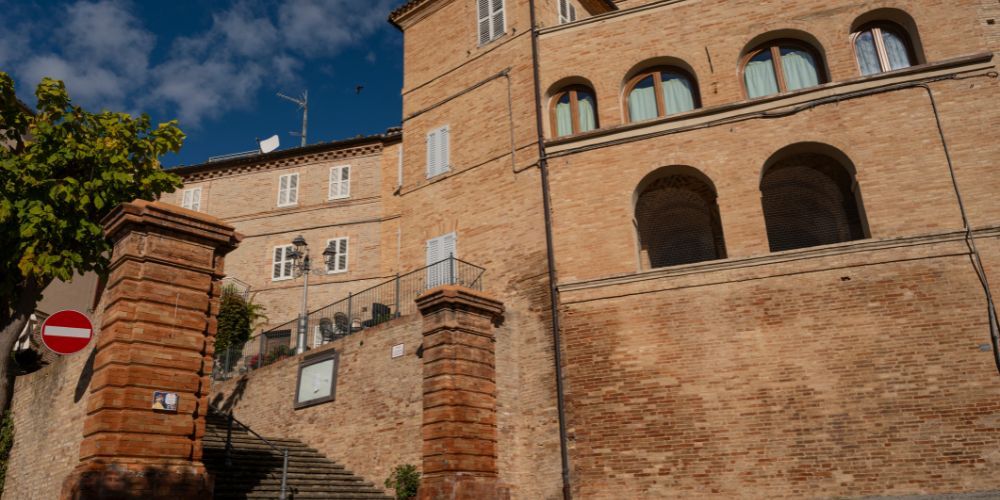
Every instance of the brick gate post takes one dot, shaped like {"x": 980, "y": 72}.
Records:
{"x": 157, "y": 334}
{"x": 460, "y": 423}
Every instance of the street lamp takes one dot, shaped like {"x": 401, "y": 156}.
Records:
{"x": 301, "y": 263}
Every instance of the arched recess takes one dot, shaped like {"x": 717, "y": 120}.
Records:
{"x": 877, "y": 34}
{"x": 811, "y": 197}
{"x": 677, "y": 218}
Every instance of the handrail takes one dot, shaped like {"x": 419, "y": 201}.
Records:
{"x": 359, "y": 310}
{"x": 230, "y": 420}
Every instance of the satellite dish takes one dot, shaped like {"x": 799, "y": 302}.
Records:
{"x": 269, "y": 144}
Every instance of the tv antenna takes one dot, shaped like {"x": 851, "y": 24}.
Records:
{"x": 303, "y": 103}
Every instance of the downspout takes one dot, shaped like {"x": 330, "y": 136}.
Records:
{"x": 543, "y": 167}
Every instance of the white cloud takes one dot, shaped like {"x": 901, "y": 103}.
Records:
{"x": 103, "y": 53}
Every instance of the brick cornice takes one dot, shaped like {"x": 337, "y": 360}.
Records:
{"x": 291, "y": 158}
{"x": 459, "y": 297}
{"x": 163, "y": 217}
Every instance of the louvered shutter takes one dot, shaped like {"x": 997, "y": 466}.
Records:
{"x": 563, "y": 11}
{"x": 283, "y": 190}
{"x": 345, "y": 181}
{"x": 432, "y": 154}
{"x": 317, "y": 336}
{"x": 448, "y": 246}
{"x": 444, "y": 150}
{"x": 293, "y": 189}
{"x": 433, "y": 271}
{"x": 342, "y": 254}
{"x": 484, "y": 21}
{"x": 498, "y": 19}
{"x": 195, "y": 199}
{"x": 186, "y": 202}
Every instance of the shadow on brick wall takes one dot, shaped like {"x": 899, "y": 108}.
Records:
{"x": 225, "y": 404}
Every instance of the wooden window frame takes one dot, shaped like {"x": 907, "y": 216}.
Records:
{"x": 661, "y": 105}
{"x": 876, "y": 28}
{"x": 574, "y": 109}
{"x": 779, "y": 73}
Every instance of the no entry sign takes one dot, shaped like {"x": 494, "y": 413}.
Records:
{"x": 67, "y": 332}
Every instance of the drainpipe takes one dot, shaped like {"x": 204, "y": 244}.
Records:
{"x": 543, "y": 167}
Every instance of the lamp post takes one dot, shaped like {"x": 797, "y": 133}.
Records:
{"x": 302, "y": 264}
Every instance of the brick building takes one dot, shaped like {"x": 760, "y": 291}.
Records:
{"x": 767, "y": 227}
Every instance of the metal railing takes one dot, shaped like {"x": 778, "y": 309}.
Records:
{"x": 228, "y": 460}
{"x": 353, "y": 314}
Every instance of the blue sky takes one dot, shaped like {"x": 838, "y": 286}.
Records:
{"x": 215, "y": 66}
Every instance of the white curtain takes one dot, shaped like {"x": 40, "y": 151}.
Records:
{"x": 759, "y": 76}
{"x": 677, "y": 92}
{"x": 642, "y": 101}
{"x": 799, "y": 68}
{"x": 586, "y": 108}
{"x": 895, "y": 50}
{"x": 564, "y": 117}
{"x": 864, "y": 46}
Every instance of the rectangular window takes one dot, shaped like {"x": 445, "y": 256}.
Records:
{"x": 282, "y": 263}
{"x": 567, "y": 11}
{"x": 439, "y": 250}
{"x": 491, "y": 20}
{"x": 337, "y": 263}
{"x": 438, "y": 151}
{"x": 288, "y": 190}
{"x": 192, "y": 199}
{"x": 340, "y": 182}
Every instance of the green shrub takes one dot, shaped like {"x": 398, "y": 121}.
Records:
{"x": 237, "y": 319}
{"x": 405, "y": 479}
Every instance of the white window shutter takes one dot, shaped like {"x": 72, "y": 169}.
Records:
{"x": 196, "y": 199}
{"x": 282, "y": 190}
{"x": 498, "y": 19}
{"x": 484, "y": 21}
{"x": 186, "y": 201}
{"x": 431, "y": 154}
{"x": 444, "y": 153}
{"x": 317, "y": 336}
{"x": 345, "y": 181}
{"x": 342, "y": 254}
{"x": 293, "y": 189}
{"x": 572, "y": 12}
{"x": 449, "y": 245}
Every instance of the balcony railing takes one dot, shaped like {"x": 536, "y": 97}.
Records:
{"x": 351, "y": 315}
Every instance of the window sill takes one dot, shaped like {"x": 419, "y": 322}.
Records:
{"x": 282, "y": 279}
{"x": 336, "y": 272}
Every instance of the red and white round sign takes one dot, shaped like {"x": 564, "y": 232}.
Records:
{"x": 67, "y": 332}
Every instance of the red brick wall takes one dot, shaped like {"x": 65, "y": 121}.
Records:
{"x": 48, "y": 409}
{"x": 858, "y": 374}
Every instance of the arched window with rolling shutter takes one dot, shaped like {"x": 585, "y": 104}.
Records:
{"x": 810, "y": 199}
{"x": 677, "y": 219}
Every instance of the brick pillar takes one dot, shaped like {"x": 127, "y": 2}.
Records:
{"x": 158, "y": 334}
{"x": 460, "y": 423}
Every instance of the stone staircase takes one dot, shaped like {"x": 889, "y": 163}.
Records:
{"x": 256, "y": 468}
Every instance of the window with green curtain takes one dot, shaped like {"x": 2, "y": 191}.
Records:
{"x": 781, "y": 66}
{"x": 799, "y": 68}
{"x": 678, "y": 94}
{"x": 574, "y": 111}
{"x": 642, "y": 100}
{"x": 587, "y": 110}
{"x": 759, "y": 75}
{"x": 564, "y": 116}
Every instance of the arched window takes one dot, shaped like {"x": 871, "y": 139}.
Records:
{"x": 660, "y": 92}
{"x": 781, "y": 66}
{"x": 882, "y": 46}
{"x": 810, "y": 199}
{"x": 678, "y": 221}
{"x": 574, "y": 110}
